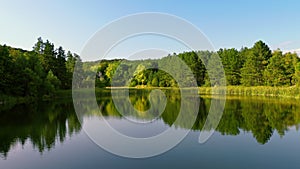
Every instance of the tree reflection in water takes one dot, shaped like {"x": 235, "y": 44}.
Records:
{"x": 46, "y": 124}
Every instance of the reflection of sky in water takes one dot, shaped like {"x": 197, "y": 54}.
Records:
{"x": 139, "y": 130}
{"x": 242, "y": 150}
{"x": 220, "y": 151}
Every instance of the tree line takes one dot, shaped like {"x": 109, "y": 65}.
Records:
{"x": 36, "y": 73}
{"x": 255, "y": 66}
{"x": 46, "y": 69}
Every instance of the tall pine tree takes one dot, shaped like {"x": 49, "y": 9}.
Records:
{"x": 255, "y": 64}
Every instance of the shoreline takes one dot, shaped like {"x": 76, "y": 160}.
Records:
{"x": 292, "y": 92}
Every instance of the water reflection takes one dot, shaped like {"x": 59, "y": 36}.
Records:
{"x": 257, "y": 115}
{"x": 40, "y": 123}
{"x": 45, "y": 124}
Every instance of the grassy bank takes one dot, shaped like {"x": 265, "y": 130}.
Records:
{"x": 289, "y": 92}
{"x": 283, "y": 92}
{"x": 268, "y": 91}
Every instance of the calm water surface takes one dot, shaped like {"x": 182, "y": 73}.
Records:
{"x": 253, "y": 133}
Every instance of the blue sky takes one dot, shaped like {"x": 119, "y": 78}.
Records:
{"x": 225, "y": 23}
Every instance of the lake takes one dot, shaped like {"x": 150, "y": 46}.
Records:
{"x": 254, "y": 132}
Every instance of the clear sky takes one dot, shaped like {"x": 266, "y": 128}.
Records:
{"x": 71, "y": 23}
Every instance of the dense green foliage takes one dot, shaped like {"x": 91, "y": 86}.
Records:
{"x": 46, "y": 69}
{"x": 255, "y": 63}
{"x": 35, "y": 73}
{"x": 256, "y": 66}
{"x": 152, "y": 73}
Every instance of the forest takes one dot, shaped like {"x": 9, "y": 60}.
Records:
{"x": 255, "y": 66}
{"x": 35, "y": 73}
{"x": 47, "y": 69}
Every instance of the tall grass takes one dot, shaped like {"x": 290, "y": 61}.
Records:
{"x": 291, "y": 92}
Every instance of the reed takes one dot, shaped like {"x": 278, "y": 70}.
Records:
{"x": 291, "y": 92}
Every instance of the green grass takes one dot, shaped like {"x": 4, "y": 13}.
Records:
{"x": 284, "y": 92}
{"x": 289, "y": 92}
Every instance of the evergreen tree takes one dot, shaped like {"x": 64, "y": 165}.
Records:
{"x": 6, "y": 67}
{"x": 195, "y": 64}
{"x": 274, "y": 73}
{"x": 39, "y": 46}
{"x": 254, "y": 66}
{"x": 48, "y": 56}
{"x": 232, "y": 63}
{"x": 290, "y": 61}
{"x": 215, "y": 72}
{"x": 60, "y": 69}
